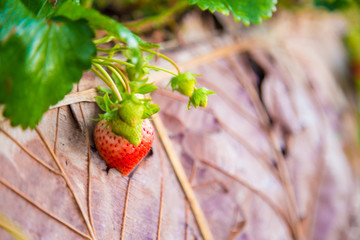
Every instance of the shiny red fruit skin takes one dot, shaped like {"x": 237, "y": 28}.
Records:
{"x": 117, "y": 151}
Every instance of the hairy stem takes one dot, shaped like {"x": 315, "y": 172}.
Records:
{"x": 108, "y": 80}
{"x": 105, "y": 60}
{"x": 115, "y": 49}
{"x": 116, "y": 71}
{"x": 120, "y": 75}
{"x": 105, "y": 39}
{"x": 160, "y": 69}
{"x": 111, "y": 59}
{"x": 162, "y": 56}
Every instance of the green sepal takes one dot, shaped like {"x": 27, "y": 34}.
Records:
{"x": 109, "y": 106}
{"x": 103, "y": 90}
{"x": 104, "y": 102}
{"x": 199, "y": 97}
{"x": 150, "y": 109}
{"x": 141, "y": 87}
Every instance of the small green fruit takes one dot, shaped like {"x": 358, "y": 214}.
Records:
{"x": 184, "y": 83}
{"x": 199, "y": 97}
{"x": 132, "y": 134}
{"x": 131, "y": 112}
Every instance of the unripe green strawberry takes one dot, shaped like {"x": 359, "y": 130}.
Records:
{"x": 184, "y": 83}
{"x": 131, "y": 112}
{"x": 121, "y": 128}
{"x": 199, "y": 97}
{"x": 117, "y": 151}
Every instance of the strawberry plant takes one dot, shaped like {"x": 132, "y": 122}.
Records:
{"x": 46, "y": 45}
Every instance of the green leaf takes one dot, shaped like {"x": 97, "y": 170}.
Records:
{"x": 34, "y": 5}
{"x": 42, "y": 8}
{"x": 99, "y": 21}
{"x": 332, "y": 5}
{"x": 247, "y": 11}
{"x": 100, "y": 102}
{"x": 146, "y": 88}
{"x": 104, "y": 90}
{"x": 114, "y": 28}
{"x": 12, "y": 14}
{"x": 40, "y": 61}
{"x": 49, "y": 7}
{"x": 142, "y": 88}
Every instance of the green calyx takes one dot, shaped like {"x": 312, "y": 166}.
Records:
{"x": 132, "y": 134}
{"x": 184, "y": 83}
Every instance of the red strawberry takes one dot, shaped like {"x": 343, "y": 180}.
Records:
{"x": 117, "y": 151}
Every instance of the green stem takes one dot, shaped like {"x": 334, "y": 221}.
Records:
{"x": 114, "y": 60}
{"x": 106, "y": 39}
{"x": 120, "y": 76}
{"x": 111, "y": 50}
{"x": 162, "y": 56}
{"x": 159, "y": 19}
{"x": 109, "y": 60}
{"x": 87, "y": 3}
{"x": 126, "y": 80}
{"x": 115, "y": 49}
{"x": 101, "y": 76}
{"x": 142, "y": 49}
{"x": 106, "y": 78}
{"x": 161, "y": 69}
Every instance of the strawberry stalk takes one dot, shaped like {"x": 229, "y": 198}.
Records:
{"x": 155, "y": 53}
{"x": 107, "y": 79}
{"x": 110, "y": 60}
{"x": 162, "y": 56}
{"x": 118, "y": 73}
{"x": 106, "y": 60}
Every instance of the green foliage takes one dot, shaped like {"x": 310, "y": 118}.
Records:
{"x": 34, "y": 53}
{"x": 150, "y": 109}
{"x": 332, "y": 4}
{"x": 45, "y": 47}
{"x": 247, "y": 11}
{"x": 99, "y": 21}
{"x": 108, "y": 106}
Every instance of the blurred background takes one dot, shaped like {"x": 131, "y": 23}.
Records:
{"x": 274, "y": 155}
{"x": 305, "y": 65}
